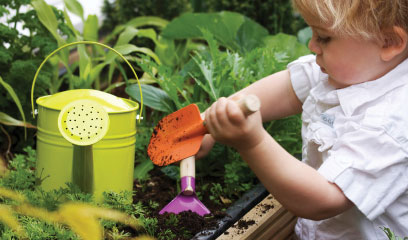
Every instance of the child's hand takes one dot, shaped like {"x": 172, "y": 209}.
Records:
{"x": 227, "y": 124}
{"x": 206, "y": 146}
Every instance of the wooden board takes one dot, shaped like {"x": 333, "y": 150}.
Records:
{"x": 267, "y": 220}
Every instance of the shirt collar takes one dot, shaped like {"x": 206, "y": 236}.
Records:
{"x": 352, "y": 97}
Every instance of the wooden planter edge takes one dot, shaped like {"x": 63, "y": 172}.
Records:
{"x": 267, "y": 220}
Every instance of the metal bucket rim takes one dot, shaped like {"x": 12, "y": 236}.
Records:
{"x": 136, "y": 107}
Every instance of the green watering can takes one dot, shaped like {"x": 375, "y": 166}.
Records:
{"x": 87, "y": 137}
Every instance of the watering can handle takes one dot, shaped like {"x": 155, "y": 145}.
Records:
{"x": 85, "y": 42}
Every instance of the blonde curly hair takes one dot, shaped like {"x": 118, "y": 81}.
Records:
{"x": 369, "y": 19}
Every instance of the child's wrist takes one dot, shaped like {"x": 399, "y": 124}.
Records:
{"x": 253, "y": 142}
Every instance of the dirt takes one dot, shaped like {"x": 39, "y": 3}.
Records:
{"x": 241, "y": 226}
{"x": 161, "y": 189}
{"x": 244, "y": 224}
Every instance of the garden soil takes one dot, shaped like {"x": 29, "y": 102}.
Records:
{"x": 161, "y": 189}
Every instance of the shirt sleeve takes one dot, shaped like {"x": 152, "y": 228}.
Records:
{"x": 304, "y": 75}
{"x": 370, "y": 167}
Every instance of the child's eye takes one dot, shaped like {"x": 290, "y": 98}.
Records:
{"x": 323, "y": 40}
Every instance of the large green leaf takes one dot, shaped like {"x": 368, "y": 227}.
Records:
{"x": 126, "y": 49}
{"x": 166, "y": 51}
{"x": 10, "y": 121}
{"x": 126, "y": 36}
{"x": 231, "y": 29}
{"x": 147, "y": 21}
{"x": 136, "y": 23}
{"x": 288, "y": 44}
{"x": 85, "y": 65}
{"x": 153, "y": 97}
{"x": 305, "y": 35}
{"x": 75, "y": 7}
{"x": 7, "y": 120}
{"x": 142, "y": 169}
{"x": 47, "y": 18}
{"x": 91, "y": 28}
{"x": 248, "y": 36}
{"x": 131, "y": 32}
{"x": 69, "y": 23}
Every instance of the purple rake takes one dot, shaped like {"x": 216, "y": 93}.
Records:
{"x": 187, "y": 199}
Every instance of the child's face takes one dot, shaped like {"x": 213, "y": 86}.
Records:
{"x": 346, "y": 60}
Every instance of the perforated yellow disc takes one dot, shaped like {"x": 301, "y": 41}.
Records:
{"x": 83, "y": 122}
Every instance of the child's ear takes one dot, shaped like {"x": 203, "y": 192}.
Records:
{"x": 394, "y": 43}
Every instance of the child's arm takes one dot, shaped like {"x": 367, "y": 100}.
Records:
{"x": 300, "y": 188}
{"x": 297, "y": 186}
{"x": 277, "y": 97}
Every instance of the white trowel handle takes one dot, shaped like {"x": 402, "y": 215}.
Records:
{"x": 187, "y": 173}
{"x": 249, "y": 104}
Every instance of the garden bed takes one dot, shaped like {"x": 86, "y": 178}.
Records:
{"x": 256, "y": 215}
{"x": 161, "y": 189}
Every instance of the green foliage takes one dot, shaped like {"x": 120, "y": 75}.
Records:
{"x": 16, "y": 100}
{"x": 141, "y": 171}
{"x": 21, "y": 178}
{"x": 214, "y": 73}
{"x": 304, "y": 35}
{"x": 275, "y": 15}
{"x": 123, "y": 201}
{"x": 22, "y": 174}
{"x": 20, "y": 55}
{"x": 391, "y": 235}
{"x": 120, "y": 12}
{"x": 167, "y": 235}
{"x": 172, "y": 220}
{"x": 143, "y": 164}
{"x": 150, "y": 225}
{"x": 216, "y": 192}
{"x": 238, "y": 177}
{"x": 232, "y": 30}
{"x": 286, "y": 132}
{"x": 172, "y": 171}
{"x": 116, "y": 234}
{"x": 40, "y": 230}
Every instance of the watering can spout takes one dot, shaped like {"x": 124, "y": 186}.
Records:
{"x": 83, "y": 123}
{"x": 82, "y": 168}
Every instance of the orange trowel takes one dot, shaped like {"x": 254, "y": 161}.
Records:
{"x": 179, "y": 134}
{"x": 177, "y": 137}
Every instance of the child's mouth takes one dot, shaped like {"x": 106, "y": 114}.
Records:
{"x": 323, "y": 69}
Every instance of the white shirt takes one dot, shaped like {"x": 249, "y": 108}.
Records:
{"x": 357, "y": 138}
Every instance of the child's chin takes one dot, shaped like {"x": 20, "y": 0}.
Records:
{"x": 336, "y": 84}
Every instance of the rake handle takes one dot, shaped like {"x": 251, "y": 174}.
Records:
{"x": 187, "y": 174}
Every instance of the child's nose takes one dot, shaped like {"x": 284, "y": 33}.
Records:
{"x": 314, "y": 46}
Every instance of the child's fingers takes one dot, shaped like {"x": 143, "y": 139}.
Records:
{"x": 206, "y": 146}
{"x": 217, "y": 113}
{"x": 236, "y": 97}
{"x": 220, "y": 111}
{"x": 210, "y": 119}
{"x": 234, "y": 113}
